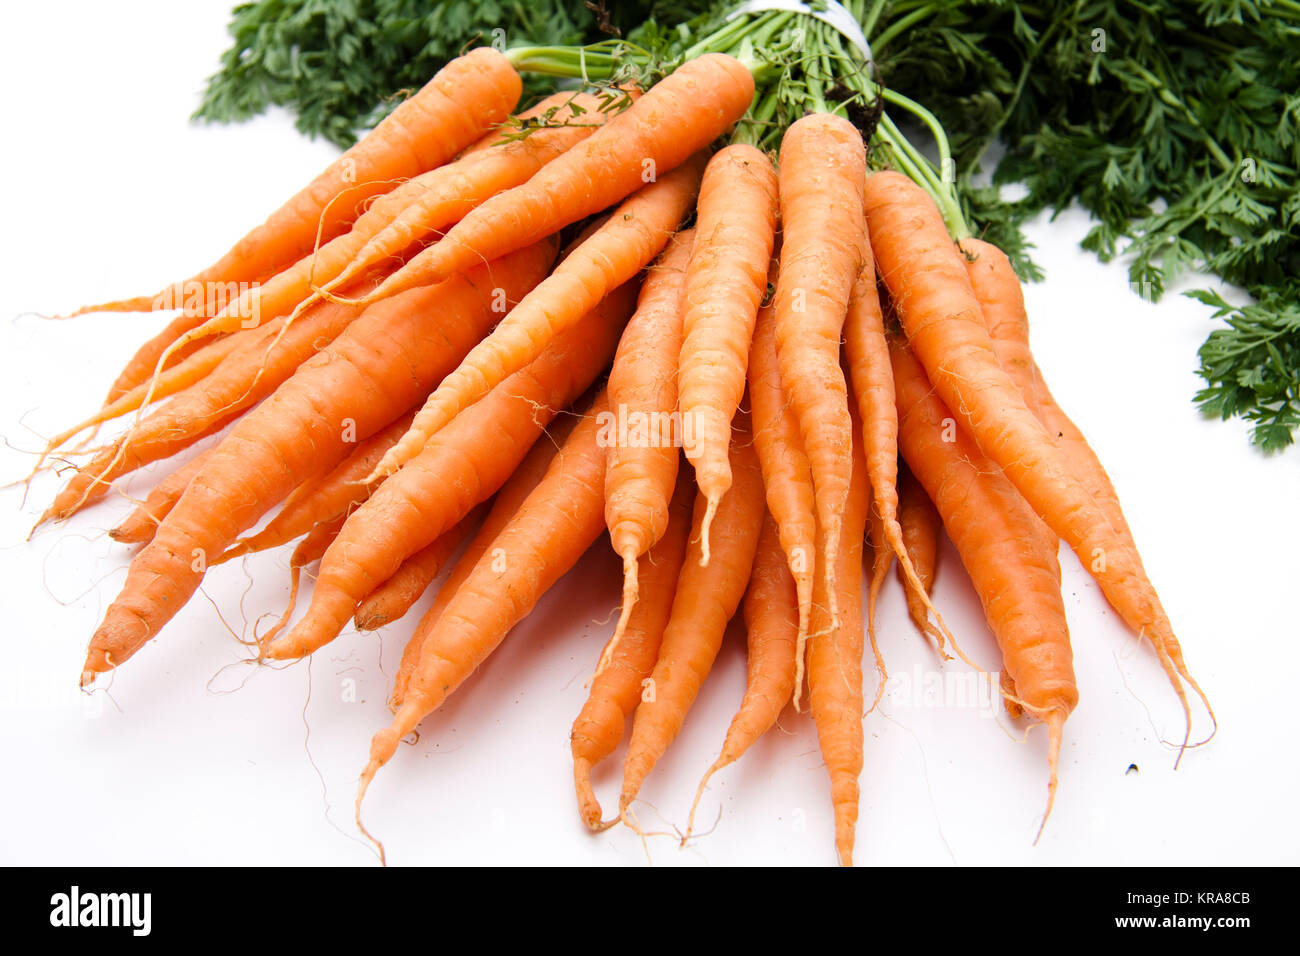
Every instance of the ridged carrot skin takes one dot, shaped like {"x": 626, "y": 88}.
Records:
{"x": 676, "y": 118}
{"x": 823, "y": 164}
{"x": 619, "y": 684}
{"x": 323, "y": 496}
{"x": 505, "y": 503}
{"x": 942, "y": 317}
{"x": 787, "y": 476}
{"x": 614, "y": 254}
{"x": 555, "y": 525}
{"x": 381, "y": 365}
{"x": 835, "y": 664}
{"x": 392, "y": 599}
{"x": 705, "y": 600}
{"x": 138, "y": 527}
{"x": 735, "y": 230}
{"x": 641, "y": 467}
{"x": 999, "y": 539}
{"x": 463, "y": 465}
{"x": 467, "y": 96}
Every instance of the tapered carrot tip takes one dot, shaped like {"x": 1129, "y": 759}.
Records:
{"x": 631, "y": 591}
{"x": 1055, "y": 730}
{"x": 710, "y": 510}
{"x": 718, "y": 764}
{"x": 366, "y": 776}
{"x": 588, "y": 805}
{"x": 846, "y": 819}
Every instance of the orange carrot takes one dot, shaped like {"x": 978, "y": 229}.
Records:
{"x": 394, "y": 597}
{"x": 835, "y": 664}
{"x": 944, "y": 323}
{"x": 465, "y": 97}
{"x": 920, "y": 525}
{"x": 505, "y": 503}
{"x": 679, "y": 116}
{"x": 772, "y": 629}
{"x": 139, "y": 525}
{"x": 1003, "y": 303}
{"x": 619, "y": 681}
{"x": 611, "y": 256}
{"x": 324, "y": 496}
{"x": 823, "y": 163}
{"x": 725, "y": 283}
{"x": 641, "y": 470}
{"x": 705, "y": 601}
{"x": 556, "y": 523}
{"x": 999, "y": 539}
{"x": 787, "y": 476}
{"x": 254, "y": 370}
{"x": 867, "y": 355}
{"x": 378, "y": 367}
{"x": 493, "y": 165}
{"x": 463, "y": 465}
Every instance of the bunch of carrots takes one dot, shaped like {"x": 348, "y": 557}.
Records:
{"x": 484, "y": 339}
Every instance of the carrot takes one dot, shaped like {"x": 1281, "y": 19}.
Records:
{"x": 867, "y": 355}
{"x": 625, "y": 665}
{"x": 835, "y": 663}
{"x": 254, "y": 370}
{"x": 308, "y": 551}
{"x": 491, "y": 166}
{"x": 999, "y": 539}
{"x": 557, "y": 522}
{"x": 706, "y": 599}
{"x": 139, "y": 525}
{"x": 725, "y": 283}
{"x": 676, "y": 118}
{"x": 505, "y": 503}
{"x": 323, "y": 496}
{"x": 920, "y": 525}
{"x": 176, "y": 378}
{"x": 142, "y": 363}
{"x": 1003, "y": 303}
{"x": 787, "y": 476}
{"x": 640, "y": 472}
{"x": 772, "y": 627}
{"x": 382, "y": 364}
{"x": 462, "y": 466}
{"x": 823, "y": 163}
{"x": 611, "y": 256}
{"x": 465, "y": 97}
{"x": 944, "y": 323}
{"x": 394, "y": 597}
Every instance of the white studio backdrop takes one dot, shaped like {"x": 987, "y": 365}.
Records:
{"x": 192, "y": 757}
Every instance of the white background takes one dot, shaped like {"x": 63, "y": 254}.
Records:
{"x": 194, "y": 758}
